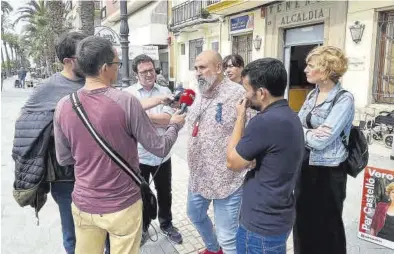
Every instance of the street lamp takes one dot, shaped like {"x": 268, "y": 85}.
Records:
{"x": 124, "y": 42}
{"x": 356, "y": 31}
{"x": 257, "y": 42}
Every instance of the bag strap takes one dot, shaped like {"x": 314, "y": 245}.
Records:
{"x": 342, "y": 135}
{"x": 115, "y": 157}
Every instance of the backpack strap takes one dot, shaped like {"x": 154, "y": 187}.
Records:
{"x": 342, "y": 135}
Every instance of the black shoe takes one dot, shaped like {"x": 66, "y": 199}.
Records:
{"x": 173, "y": 234}
{"x": 145, "y": 237}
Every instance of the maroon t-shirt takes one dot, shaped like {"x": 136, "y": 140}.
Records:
{"x": 101, "y": 186}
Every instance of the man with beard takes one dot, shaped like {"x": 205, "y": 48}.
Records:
{"x": 210, "y": 121}
{"x": 274, "y": 138}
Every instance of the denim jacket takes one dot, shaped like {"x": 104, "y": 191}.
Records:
{"x": 327, "y": 151}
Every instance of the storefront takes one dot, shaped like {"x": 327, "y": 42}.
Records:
{"x": 293, "y": 28}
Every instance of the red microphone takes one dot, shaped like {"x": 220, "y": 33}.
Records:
{"x": 187, "y": 99}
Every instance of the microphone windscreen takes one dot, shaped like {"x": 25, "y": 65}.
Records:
{"x": 187, "y": 97}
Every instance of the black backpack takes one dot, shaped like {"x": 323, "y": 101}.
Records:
{"x": 357, "y": 147}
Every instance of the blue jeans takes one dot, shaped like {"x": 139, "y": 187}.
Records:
{"x": 61, "y": 193}
{"x": 226, "y": 215}
{"x": 252, "y": 243}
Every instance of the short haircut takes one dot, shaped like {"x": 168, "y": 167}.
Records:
{"x": 331, "y": 61}
{"x": 66, "y": 45}
{"x": 92, "y": 53}
{"x": 141, "y": 59}
{"x": 236, "y": 60}
{"x": 267, "y": 73}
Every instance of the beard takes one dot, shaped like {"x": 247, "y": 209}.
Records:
{"x": 204, "y": 84}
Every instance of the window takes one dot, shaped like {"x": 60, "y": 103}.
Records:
{"x": 215, "y": 46}
{"x": 195, "y": 48}
{"x": 242, "y": 45}
{"x": 183, "y": 49}
{"x": 383, "y": 85}
{"x": 104, "y": 12}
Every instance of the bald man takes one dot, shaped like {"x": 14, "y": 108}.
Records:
{"x": 210, "y": 122}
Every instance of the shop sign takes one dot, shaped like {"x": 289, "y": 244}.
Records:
{"x": 242, "y": 23}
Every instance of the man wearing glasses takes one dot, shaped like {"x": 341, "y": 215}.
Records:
{"x": 160, "y": 116}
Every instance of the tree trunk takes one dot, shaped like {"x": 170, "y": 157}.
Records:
{"x": 12, "y": 53}
{"x": 2, "y": 57}
{"x": 7, "y": 57}
{"x": 87, "y": 17}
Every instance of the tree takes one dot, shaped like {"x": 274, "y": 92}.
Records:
{"x": 87, "y": 17}
{"x": 6, "y": 8}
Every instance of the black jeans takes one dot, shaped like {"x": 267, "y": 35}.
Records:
{"x": 162, "y": 182}
{"x": 320, "y": 193}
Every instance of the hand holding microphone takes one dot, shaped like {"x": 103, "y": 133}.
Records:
{"x": 186, "y": 99}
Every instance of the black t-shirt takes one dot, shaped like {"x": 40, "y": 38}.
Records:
{"x": 275, "y": 139}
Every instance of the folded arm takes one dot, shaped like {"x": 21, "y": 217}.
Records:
{"x": 335, "y": 123}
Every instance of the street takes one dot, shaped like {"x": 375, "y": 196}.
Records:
{"x": 20, "y": 233}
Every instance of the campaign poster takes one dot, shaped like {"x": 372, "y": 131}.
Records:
{"x": 377, "y": 207}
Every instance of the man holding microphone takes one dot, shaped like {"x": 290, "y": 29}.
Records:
{"x": 160, "y": 116}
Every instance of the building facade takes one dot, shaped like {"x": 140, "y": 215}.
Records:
{"x": 288, "y": 30}
{"x": 370, "y": 76}
{"x": 148, "y": 31}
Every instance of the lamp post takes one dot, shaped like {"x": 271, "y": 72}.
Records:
{"x": 124, "y": 42}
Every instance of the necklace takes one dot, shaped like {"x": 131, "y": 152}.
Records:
{"x": 198, "y": 118}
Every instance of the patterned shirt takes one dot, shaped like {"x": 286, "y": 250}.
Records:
{"x": 138, "y": 91}
{"x": 207, "y": 155}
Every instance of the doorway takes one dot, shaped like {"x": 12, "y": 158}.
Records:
{"x": 298, "y": 43}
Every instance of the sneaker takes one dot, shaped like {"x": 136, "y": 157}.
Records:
{"x": 173, "y": 234}
{"x": 210, "y": 252}
{"x": 145, "y": 237}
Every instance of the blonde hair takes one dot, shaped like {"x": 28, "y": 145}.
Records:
{"x": 389, "y": 188}
{"x": 330, "y": 61}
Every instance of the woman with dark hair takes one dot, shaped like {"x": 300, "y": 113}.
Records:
{"x": 383, "y": 219}
{"x": 233, "y": 66}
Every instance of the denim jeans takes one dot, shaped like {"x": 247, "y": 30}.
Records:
{"x": 61, "y": 193}
{"x": 226, "y": 216}
{"x": 252, "y": 243}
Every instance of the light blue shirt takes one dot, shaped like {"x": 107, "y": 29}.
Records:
{"x": 138, "y": 91}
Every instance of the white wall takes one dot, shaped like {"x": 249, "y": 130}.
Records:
{"x": 359, "y": 79}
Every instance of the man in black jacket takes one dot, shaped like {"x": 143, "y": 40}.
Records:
{"x": 39, "y": 108}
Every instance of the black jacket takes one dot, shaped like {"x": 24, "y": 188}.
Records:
{"x": 32, "y": 134}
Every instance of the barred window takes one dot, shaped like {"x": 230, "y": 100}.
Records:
{"x": 195, "y": 48}
{"x": 215, "y": 46}
{"x": 383, "y": 81}
{"x": 243, "y": 46}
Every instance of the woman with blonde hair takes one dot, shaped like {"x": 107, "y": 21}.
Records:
{"x": 321, "y": 189}
{"x": 383, "y": 220}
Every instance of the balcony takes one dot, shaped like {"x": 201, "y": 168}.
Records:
{"x": 228, "y": 7}
{"x": 190, "y": 11}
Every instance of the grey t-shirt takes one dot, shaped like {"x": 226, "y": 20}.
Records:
{"x": 276, "y": 140}
{"x": 50, "y": 91}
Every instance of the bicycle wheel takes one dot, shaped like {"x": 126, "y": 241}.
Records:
{"x": 388, "y": 141}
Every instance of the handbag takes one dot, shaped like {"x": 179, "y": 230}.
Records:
{"x": 149, "y": 200}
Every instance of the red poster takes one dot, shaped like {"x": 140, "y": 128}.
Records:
{"x": 377, "y": 207}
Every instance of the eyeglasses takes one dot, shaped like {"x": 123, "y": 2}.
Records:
{"x": 119, "y": 63}
{"x": 145, "y": 73}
